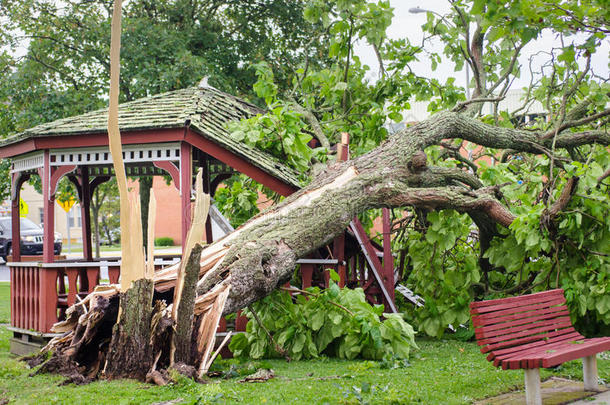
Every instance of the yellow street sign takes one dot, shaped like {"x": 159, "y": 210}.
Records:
{"x": 68, "y": 204}
{"x": 23, "y": 208}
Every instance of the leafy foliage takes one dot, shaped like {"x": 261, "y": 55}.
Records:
{"x": 164, "y": 241}
{"x": 5, "y": 180}
{"x": 571, "y": 252}
{"x": 238, "y": 199}
{"x": 335, "y": 322}
{"x": 443, "y": 270}
{"x": 278, "y": 132}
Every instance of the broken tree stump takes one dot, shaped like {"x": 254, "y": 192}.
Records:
{"x": 181, "y": 340}
{"x": 130, "y": 353}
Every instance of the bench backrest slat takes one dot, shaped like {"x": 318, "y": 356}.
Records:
{"x": 503, "y": 328}
{"x": 495, "y": 317}
{"x": 518, "y": 300}
{"x": 533, "y": 329}
{"x": 528, "y": 339}
{"x": 517, "y": 321}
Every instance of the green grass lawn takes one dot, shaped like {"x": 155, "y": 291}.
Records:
{"x": 5, "y": 302}
{"x": 441, "y": 372}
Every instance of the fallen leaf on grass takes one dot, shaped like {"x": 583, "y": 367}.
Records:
{"x": 261, "y": 375}
{"x": 172, "y": 402}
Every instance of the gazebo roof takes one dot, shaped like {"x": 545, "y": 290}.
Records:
{"x": 204, "y": 110}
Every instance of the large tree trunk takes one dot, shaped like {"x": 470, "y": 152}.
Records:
{"x": 130, "y": 354}
{"x": 262, "y": 253}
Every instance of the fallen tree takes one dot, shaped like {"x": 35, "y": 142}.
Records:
{"x": 155, "y": 322}
{"x": 261, "y": 255}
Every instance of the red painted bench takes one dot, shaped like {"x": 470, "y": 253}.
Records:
{"x": 533, "y": 331}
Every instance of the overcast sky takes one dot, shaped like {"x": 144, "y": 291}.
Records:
{"x": 408, "y": 25}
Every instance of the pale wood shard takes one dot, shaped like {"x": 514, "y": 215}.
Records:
{"x": 132, "y": 256}
{"x": 152, "y": 217}
{"x": 165, "y": 279}
{"x": 207, "y": 329}
{"x": 217, "y": 352}
{"x": 195, "y": 234}
{"x": 133, "y": 265}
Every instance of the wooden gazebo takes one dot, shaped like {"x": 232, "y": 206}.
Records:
{"x": 174, "y": 133}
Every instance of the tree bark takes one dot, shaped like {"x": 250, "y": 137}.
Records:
{"x": 182, "y": 336}
{"x": 130, "y": 353}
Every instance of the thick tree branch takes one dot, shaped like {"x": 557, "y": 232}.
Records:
{"x": 455, "y": 198}
{"x": 476, "y": 54}
{"x": 564, "y": 198}
{"x": 577, "y": 122}
{"x": 458, "y": 175}
{"x": 450, "y": 125}
{"x": 313, "y": 122}
{"x": 580, "y": 110}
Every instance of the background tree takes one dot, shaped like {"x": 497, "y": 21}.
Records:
{"x": 167, "y": 45}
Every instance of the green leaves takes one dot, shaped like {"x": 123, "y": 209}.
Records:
{"x": 5, "y": 180}
{"x": 317, "y": 325}
{"x": 238, "y": 200}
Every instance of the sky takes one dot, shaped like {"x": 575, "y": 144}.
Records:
{"x": 408, "y": 25}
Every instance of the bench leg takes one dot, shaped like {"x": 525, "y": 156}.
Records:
{"x": 589, "y": 372}
{"x": 533, "y": 395}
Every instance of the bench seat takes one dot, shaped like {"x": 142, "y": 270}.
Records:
{"x": 533, "y": 331}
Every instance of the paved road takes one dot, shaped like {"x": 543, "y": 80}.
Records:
{"x": 599, "y": 399}
{"x": 4, "y": 273}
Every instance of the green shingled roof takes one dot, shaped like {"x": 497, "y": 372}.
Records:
{"x": 205, "y": 109}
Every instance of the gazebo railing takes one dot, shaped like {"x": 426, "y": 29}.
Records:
{"x": 41, "y": 292}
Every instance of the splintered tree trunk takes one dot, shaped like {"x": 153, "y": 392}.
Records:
{"x": 182, "y": 337}
{"x": 262, "y": 254}
{"x": 130, "y": 353}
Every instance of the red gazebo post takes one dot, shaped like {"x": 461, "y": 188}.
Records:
{"x": 85, "y": 204}
{"x": 388, "y": 259}
{"x": 48, "y": 198}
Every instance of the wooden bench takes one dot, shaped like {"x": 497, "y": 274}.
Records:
{"x": 533, "y": 331}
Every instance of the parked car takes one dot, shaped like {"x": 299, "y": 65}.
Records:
{"x": 31, "y": 238}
